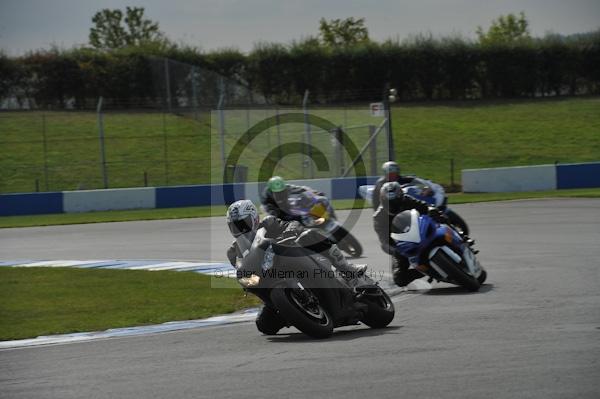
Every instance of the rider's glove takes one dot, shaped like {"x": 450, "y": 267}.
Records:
{"x": 437, "y": 215}
{"x": 293, "y": 229}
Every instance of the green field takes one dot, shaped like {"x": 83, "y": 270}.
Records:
{"x": 55, "y": 151}
{"x": 43, "y": 301}
{"x": 496, "y": 135}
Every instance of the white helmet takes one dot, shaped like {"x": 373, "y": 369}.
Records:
{"x": 242, "y": 218}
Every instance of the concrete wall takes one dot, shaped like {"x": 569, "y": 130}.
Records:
{"x": 525, "y": 178}
{"x": 31, "y": 203}
{"x": 495, "y": 180}
{"x": 161, "y": 197}
{"x": 583, "y": 175}
{"x": 531, "y": 178}
{"x": 106, "y": 200}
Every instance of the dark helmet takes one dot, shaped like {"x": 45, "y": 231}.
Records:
{"x": 279, "y": 189}
{"x": 390, "y": 197}
{"x": 391, "y": 170}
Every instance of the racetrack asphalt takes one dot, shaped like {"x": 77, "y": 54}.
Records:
{"x": 533, "y": 331}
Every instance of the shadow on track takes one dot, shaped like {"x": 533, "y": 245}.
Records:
{"x": 338, "y": 335}
{"x": 458, "y": 290}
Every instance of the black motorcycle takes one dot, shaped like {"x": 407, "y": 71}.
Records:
{"x": 300, "y": 288}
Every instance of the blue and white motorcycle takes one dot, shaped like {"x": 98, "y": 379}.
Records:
{"x": 437, "y": 250}
{"x": 427, "y": 191}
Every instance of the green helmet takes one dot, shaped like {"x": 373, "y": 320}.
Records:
{"x": 276, "y": 184}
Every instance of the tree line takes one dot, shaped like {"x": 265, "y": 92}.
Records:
{"x": 340, "y": 65}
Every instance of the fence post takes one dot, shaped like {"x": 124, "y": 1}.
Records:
{"x": 308, "y": 157}
{"x": 101, "y": 138}
{"x": 195, "y": 95}
{"x": 277, "y": 121}
{"x": 339, "y": 140}
{"x": 45, "y": 151}
{"x": 248, "y": 112}
{"x": 168, "y": 84}
{"x": 373, "y": 151}
{"x": 388, "y": 114}
{"x": 165, "y": 149}
{"x": 222, "y": 121}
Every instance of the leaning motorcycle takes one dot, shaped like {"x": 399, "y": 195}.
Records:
{"x": 437, "y": 250}
{"x": 300, "y": 288}
{"x": 426, "y": 191}
{"x": 315, "y": 211}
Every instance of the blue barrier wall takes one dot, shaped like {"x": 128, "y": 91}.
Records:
{"x": 347, "y": 188}
{"x": 31, "y": 204}
{"x": 181, "y": 196}
{"x": 582, "y": 175}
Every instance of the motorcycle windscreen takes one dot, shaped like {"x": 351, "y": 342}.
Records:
{"x": 405, "y": 227}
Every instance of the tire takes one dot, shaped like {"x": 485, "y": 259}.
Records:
{"x": 348, "y": 243}
{"x": 313, "y": 320}
{"x": 381, "y": 310}
{"x": 455, "y": 272}
{"x": 268, "y": 321}
{"x": 482, "y": 277}
{"x": 457, "y": 221}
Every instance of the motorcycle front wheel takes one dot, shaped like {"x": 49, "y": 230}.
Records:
{"x": 455, "y": 272}
{"x": 381, "y": 310}
{"x": 301, "y": 309}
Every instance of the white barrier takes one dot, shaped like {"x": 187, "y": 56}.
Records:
{"x": 511, "y": 179}
{"x": 106, "y": 200}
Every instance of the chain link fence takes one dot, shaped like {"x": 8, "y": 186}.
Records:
{"x": 198, "y": 127}
{"x": 180, "y": 135}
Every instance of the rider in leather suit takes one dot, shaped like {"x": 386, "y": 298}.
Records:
{"x": 392, "y": 202}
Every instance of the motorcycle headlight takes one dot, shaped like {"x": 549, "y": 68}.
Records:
{"x": 249, "y": 282}
{"x": 448, "y": 236}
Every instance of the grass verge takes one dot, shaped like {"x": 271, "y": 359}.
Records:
{"x": 195, "y": 212}
{"x": 43, "y": 301}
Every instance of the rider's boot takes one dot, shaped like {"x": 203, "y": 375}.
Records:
{"x": 348, "y": 270}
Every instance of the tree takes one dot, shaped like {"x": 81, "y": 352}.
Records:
{"x": 506, "y": 29}
{"x": 111, "y": 31}
{"x": 337, "y": 32}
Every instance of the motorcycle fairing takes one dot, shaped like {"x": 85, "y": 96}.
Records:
{"x": 411, "y": 231}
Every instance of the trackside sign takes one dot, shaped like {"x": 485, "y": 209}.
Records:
{"x": 377, "y": 109}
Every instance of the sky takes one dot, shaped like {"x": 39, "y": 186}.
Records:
{"x": 211, "y": 24}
